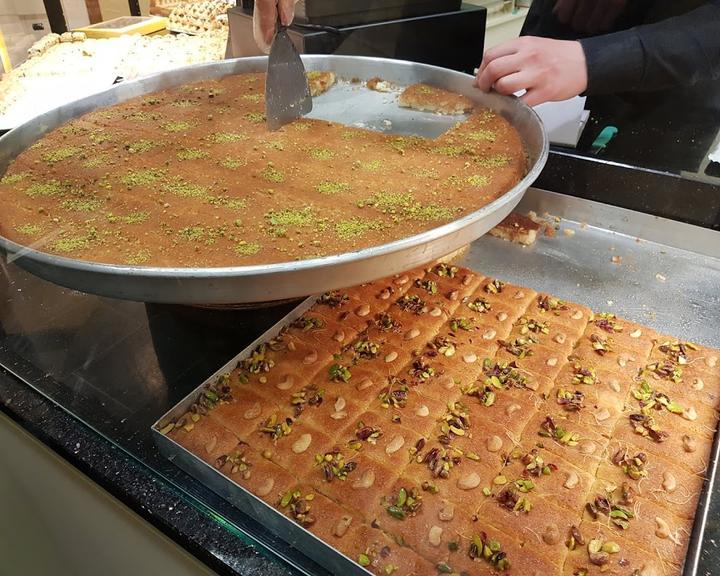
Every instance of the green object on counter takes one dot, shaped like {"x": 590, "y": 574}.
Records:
{"x": 603, "y": 139}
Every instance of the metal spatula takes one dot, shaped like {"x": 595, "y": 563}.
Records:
{"x": 287, "y": 95}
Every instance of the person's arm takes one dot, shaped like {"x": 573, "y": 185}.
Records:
{"x": 265, "y": 17}
{"x": 679, "y": 51}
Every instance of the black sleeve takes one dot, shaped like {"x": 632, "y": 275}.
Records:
{"x": 679, "y": 51}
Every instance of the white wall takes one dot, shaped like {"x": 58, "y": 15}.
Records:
{"x": 76, "y": 15}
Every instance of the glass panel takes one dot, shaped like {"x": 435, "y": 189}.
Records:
{"x": 117, "y": 366}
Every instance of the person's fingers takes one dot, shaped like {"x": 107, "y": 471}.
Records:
{"x": 534, "y": 96}
{"x": 287, "y": 11}
{"x": 504, "y": 49}
{"x": 264, "y": 23}
{"x": 564, "y": 10}
{"x": 497, "y": 69}
{"x": 523, "y": 80}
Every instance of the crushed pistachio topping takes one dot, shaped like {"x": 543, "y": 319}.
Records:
{"x": 510, "y": 499}
{"x": 394, "y": 395}
{"x": 503, "y": 375}
{"x": 140, "y": 257}
{"x": 131, "y": 218}
{"x": 617, "y": 507}
{"x": 478, "y": 180}
{"x": 330, "y": 187}
{"x": 455, "y": 423}
{"x": 582, "y": 375}
{"x": 412, "y": 303}
{"x": 633, "y": 466}
{"x": 51, "y": 188}
{"x": 217, "y": 392}
{"x": 667, "y": 370}
{"x": 179, "y": 126}
{"x": 258, "y": 362}
{"x": 71, "y": 244}
{"x": 310, "y": 395}
{"x": 479, "y": 305}
{"x": 532, "y": 325}
{"x": 141, "y": 146}
{"x": 364, "y": 433}
{"x": 520, "y": 347}
{"x": 82, "y": 205}
{"x": 421, "y": 371}
{"x": 389, "y": 202}
{"x": 645, "y": 425}
{"x": 254, "y": 117}
{"x": 445, "y": 270}
{"x": 356, "y": 227}
{"x": 365, "y": 350}
{"x": 571, "y": 401}
{"x": 142, "y": 177}
{"x": 254, "y": 98}
{"x": 280, "y": 220}
{"x": 227, "y": 137}
{"x": 441, "y": 345}
{"x": 440, "y": 460}
{"x": 548, "y": 429}
{"x": 451, "y": 151}
{"x": 599, "y": 553}
{"x": 601, "y": 345}
{"x": 307, "y": 323}
{"x": 298, "y": 506}
{"x": 272, "y": 174}
{"x": 191, "y": 154}
{"x": 428, "y": 285}
{"x": 334, "y": 299}
{"x": 386, "y": 323}
{"x": 462, "y": 323}
{"x": 484, "y": 548}
{"x": 60, "y": 154}
{"x": 677, "y": 352}
{"x": 245, "y": 248}
{"x": 334, "y": 466}
{"x": 551, "y": 304}
{"x": 276, "y": 427}
{"x": 494, "y": 161}
{"x": 405, "y": 503}
{"x": 485, "y": 393}
{"x": 321, "y": 154}
{"x": 535, "y": 465}
{"x": 12, "y": 178}
{"x": 484, "y": 135}
{"x": 608, "y": 322}
{"x": 339, "y": 373}
{"x": 371, "y": 166}
{"x": 650, "y": 399}
{"x": 29, "y": 229}
{"x": 232, "y": 163}
{"x": 494, "y": 287}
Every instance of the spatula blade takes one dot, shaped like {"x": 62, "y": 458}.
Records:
{"x": 287, "y": 95}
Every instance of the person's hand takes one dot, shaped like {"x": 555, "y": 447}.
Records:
{"x": 265, "y": 17}
{"x": 589, "y": 16}
{"x": 549, "y": 70}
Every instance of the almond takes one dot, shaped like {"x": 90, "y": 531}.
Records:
{"x": 519, "y": 295}
{"x": 253, "y": 412}
{"x": 391, "y": 357}
{"x": 302, "y": 443}
{"x": 364, "y": 384}
{"x": 469, "y": 358}
{"x": 412, "y": 333}
{"x": 552, "y": 361}
{"x": 560, "y": 338}
{"x": 512, "y": 408}
{"x": 602, "y": 415}
{"x": 614, "y": 385}
{"x": 690, "y": 414}
{"x": 469, "y": 481}
{"x": 501, "y": 316}
{"x": 446, "y": 512}
{"x": 689, "y": 444}
{"x": 494, "y": 443}
{"x": 577, "y": 315}
{"x": 422, "y": 411}
{"x": 435, "y": 535}
{"x": 339, "y": 415}
{"x": 286, "y": 383}
{"x": 468, "y": 278}
{"x": 636, "y": 334}
{"x": 453, "y": 295}
{"x": 310, "y": 358}
{"x": 446, "y": 382}
{"x": 435, "y": 312}
{"x": 551, "y": 535}
{"x": 363, "y": 310}
{"x": 489, "y": 334}
{"x": 395, "y": 444}
{"x": 698, "y": 384}
{"x": 339, "y": 336}
{"x": 401, "y": 280}
{"x": 365, "y": 481}
{"x": 711, "y": 361}
{"x": 340, "y": 404}
{"x": 662, "y": 530}
{"x": 266, "y": 487}
{"x": 210, "y": 446}
{"x": 571, "y": 481}
{"x": 669, "y": 483}
{"x": 587, "y": 447}
{"x": 342, "y": 526}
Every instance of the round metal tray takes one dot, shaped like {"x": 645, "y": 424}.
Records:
{"x": 349, "y": 103}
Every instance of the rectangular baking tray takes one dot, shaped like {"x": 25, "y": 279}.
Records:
{"x": 667, "y": 277}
